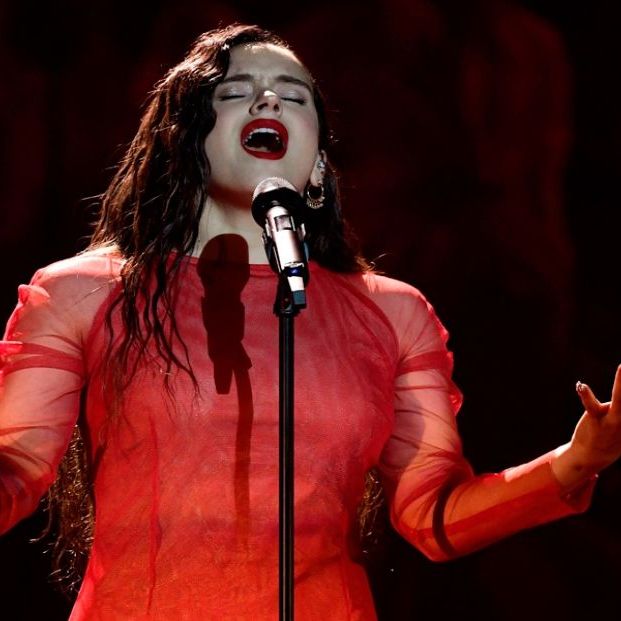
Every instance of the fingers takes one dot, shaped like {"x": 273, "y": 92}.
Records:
{"x": 616, "y": 390}
{"x": 589, "y": 400}
{"x": 615, "y": 401}
{"x": 597, "y": 409}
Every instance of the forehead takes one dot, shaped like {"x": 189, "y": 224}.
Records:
{"x": 265, "y": 58}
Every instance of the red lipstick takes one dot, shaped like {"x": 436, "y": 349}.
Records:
{"x": 265, "y": 139}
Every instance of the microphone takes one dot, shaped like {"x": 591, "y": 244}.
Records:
{"x": 277, "y": 208}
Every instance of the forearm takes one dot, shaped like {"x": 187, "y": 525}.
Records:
{"x": 38, "y": 410}
{"x": 480, "y": 510}
{"x": 570, "y": 468}
{"x": 19, "y": 497}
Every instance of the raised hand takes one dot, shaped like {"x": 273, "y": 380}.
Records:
{"x": 596, "y": 442}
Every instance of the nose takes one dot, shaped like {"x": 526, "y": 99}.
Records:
{"x": 266, "y": 101}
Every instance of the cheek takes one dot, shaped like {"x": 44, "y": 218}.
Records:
{"x": 312, "y": 127}
{"x": 309, "y": 137}
{"x": 219, "y": 137}
{"x": 213, "y": 142}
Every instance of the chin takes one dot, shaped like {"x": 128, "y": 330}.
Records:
{"x": 275, "y": 171}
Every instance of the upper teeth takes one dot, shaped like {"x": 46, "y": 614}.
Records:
{"x": 262, "y": 130}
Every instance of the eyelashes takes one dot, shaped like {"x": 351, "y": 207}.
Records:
{"x": 298, "y": 100}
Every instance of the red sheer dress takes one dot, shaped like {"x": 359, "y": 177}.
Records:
{"x": 185, "y": 480}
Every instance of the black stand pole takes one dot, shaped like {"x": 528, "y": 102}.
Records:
{"x": 285, "y": 484}
{"x": 274, "y": 207}
{"x": 286, "y": 310}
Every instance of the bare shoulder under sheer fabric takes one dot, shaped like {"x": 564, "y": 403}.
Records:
{"x": 186, "y": 483}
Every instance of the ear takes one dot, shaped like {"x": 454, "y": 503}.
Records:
{"x": 319, "y": 169}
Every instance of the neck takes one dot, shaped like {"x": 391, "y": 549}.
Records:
{"x": 225, "y": 218}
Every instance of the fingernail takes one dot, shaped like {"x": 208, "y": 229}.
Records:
{"x": 579, "y": 386}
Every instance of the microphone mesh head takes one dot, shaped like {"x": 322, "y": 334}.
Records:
{"x": 272, "y": 183}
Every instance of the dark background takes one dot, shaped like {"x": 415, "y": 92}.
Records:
{"x": 479, "y": 145}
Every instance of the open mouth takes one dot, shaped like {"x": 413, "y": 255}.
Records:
{"x": 265, "y": 138}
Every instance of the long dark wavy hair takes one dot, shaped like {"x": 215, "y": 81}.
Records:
{"x": 149, "y": 215}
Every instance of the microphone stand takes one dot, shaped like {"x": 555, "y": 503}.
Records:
{"x": 283, "y": 237}
{"x": 286, "y": 309}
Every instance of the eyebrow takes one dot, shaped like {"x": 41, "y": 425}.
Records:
{"x": 248, "y": 77}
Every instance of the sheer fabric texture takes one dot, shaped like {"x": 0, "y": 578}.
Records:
{"x": 186, "y": 480}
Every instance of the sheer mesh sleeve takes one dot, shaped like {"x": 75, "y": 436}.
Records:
{"x": 42, "y": 373}
{"x": 436, "y": 501}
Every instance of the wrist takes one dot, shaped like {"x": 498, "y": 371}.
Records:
{"x": 570, "y": 468}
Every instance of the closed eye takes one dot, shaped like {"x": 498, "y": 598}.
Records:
{"x": 225, "y": 97}
{"x": 295, "y": 99}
